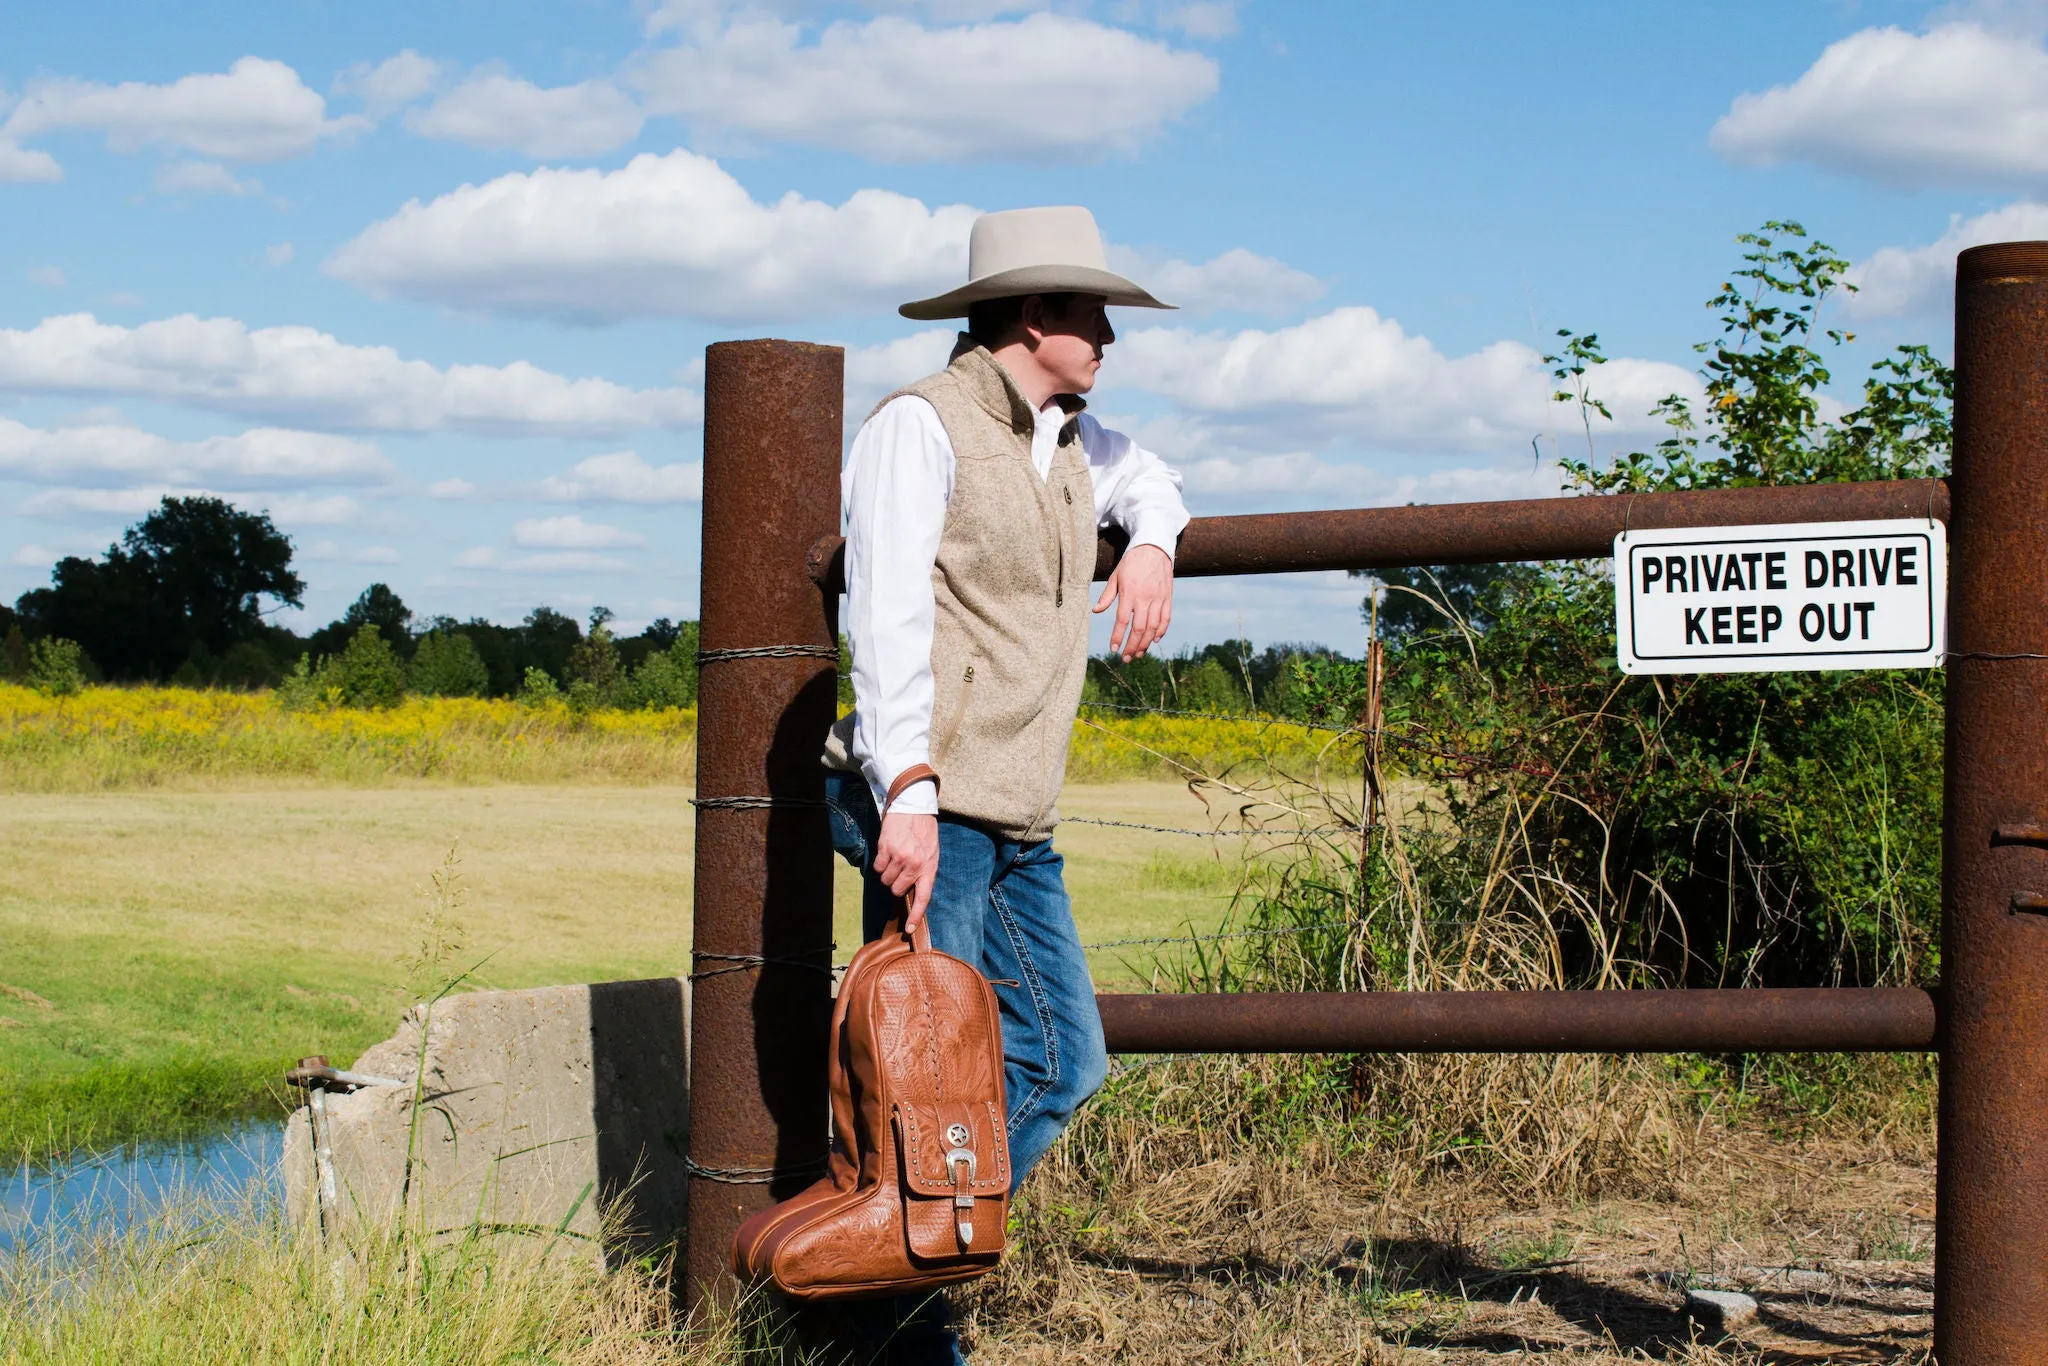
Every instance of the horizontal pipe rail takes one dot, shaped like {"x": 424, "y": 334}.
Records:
{"x": 1765, "y": 1020}
{"x": 1484, "y": 533}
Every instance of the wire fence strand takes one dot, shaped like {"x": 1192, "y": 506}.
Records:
{"x": 1245, "y": 832}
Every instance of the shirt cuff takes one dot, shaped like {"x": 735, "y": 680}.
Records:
{"x": 1160, "y": 528}
{"x": 921, "y": 798}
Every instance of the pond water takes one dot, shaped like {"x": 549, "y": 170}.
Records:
{"x": 110, "y": 1191}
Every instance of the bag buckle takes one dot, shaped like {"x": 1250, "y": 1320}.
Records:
{"x": 963, "y": 1198}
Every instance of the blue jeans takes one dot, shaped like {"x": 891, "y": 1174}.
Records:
{"x": 1003, "y": 907}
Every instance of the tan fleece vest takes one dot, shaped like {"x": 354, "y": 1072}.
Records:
{"x": 1011, "y": 583}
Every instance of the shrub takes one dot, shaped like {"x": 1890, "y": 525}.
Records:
{"x": 446, "y": 664}
{"x": 538, "y": 688}
{"x": 596, "y": 678}
{"x": 368, "y": 673}
{"x": 308, "y": 686}
{"x": 57, "y": 667}
{"x": 668, "y": 678}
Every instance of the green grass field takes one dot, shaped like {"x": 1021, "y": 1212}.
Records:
{"x": 168, "y": 952}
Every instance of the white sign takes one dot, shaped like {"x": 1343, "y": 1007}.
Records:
{"x": 1753, "y": 599}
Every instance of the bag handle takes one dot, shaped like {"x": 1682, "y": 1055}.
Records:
{"x": 919, "y": 939}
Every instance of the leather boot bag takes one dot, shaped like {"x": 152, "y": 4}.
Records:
{"x": 917, "y": 1188}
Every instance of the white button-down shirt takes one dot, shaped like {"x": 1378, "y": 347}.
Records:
{"x": 896, "y": 486}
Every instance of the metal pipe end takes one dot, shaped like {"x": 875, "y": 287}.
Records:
{"x": 1996, "y": 261}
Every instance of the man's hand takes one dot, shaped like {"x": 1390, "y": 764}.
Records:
{"x": 1141, "y": 586}
{"x": 907, "y": 860}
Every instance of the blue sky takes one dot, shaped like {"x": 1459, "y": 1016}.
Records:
{"x": 433, "y": 283}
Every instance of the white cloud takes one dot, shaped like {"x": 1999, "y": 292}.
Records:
{"x": 278, "y": 253}
{"x": 667, "y": 16}
{"x": 257, "y": 110}
{"x": 392, "y": 83}
{"x": 1351, "y": 376}
{"x": 872, "y": 371}
{"x": 302, "y": 509}
{"x": 553, "y": 562}
{"x": 262, "y": 456}
{"x": 502, "y": 112}
{"x": 202, "y": 177}
{"x": 1300, "y": 475}
{"x": 121, "y": 298}
{"x": 308, "y": 378}
{"x": 453, "y": 490}
{"x": 623, "y": 477}
{"x": 1238, "y": 279}
{"x": 332, "y": 553}
{"x": 1897, "y": 282}
{"x": 1958, "y": 104}
{"x": 571, "y": 533}
{"x": 129, "y": 503}
{"x": 677, "y": 236}
{"x": 1043, "y": 88}
{"x": 670, "y": 235}
{"x": 26, "y": 166}
{"x": 96, "y": 503}
{"x": 49, "y": 277}
{"x": 1210, "y": 19}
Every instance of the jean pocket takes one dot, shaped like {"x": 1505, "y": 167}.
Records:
{"x": 843, "y": 800}
{"x": 846, "y": 840}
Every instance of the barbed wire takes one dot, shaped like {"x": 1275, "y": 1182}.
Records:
{"x": 1242, "y": 833}
{"x": 1345, "y": 928}
{"x": 1260, "y": 718}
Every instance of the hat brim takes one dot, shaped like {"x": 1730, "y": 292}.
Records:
{"x": 1031, "y": 280}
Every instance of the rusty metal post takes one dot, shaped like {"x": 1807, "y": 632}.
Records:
{"x": 1991, "y": 1229}
{"x": 767, "y": 694}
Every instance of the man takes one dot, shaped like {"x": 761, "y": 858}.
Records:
{"x": 972, "y": 501}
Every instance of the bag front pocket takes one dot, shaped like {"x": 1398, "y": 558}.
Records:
{"x": 955, "y": 1178}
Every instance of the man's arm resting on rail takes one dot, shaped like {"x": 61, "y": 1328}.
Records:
{"x": 1136, "y": 490}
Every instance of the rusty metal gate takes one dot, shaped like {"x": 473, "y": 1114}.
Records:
{"x": 763, "y": 916}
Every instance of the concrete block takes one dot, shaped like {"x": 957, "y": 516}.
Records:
{"x": 1720, "y": 1311}
{"x": 535, "y": 1108}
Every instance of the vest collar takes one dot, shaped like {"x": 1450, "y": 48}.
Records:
{"x": 996, "y": 392}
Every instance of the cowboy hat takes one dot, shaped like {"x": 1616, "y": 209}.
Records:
{"x": 1032, "y": 251}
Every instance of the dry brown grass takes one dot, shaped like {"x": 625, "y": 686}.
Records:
{"x": 1246, "y": 1260}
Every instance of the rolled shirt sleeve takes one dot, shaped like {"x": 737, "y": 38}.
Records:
{"x": 1134, "y": 488}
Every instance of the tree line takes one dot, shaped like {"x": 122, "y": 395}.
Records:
{"x": 187, "y": 596}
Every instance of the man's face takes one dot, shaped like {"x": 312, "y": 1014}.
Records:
{"x": 1070, "y": 344}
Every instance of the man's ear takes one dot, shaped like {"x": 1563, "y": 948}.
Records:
{"x": 1031, "y": 321}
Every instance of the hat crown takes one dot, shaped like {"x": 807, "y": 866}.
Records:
{"x": 1016, "y": 239}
